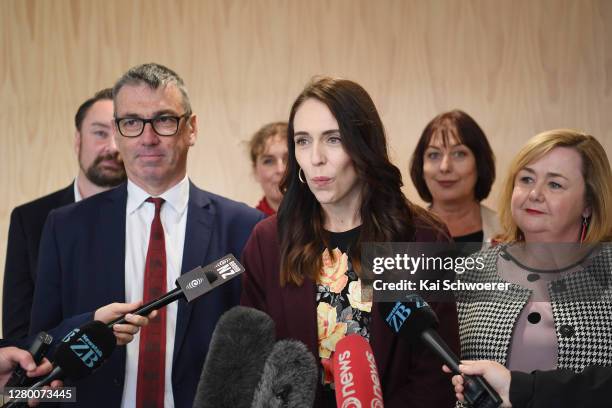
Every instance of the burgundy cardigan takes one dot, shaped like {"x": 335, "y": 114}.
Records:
{"x": 411, "y": 376}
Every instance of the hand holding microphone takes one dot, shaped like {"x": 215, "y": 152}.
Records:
{"x": 81, "y": 352}
{"x": 124, "y": 332}
{"x": 127, "y": 318}
{"x": 496, "y": 374}
{"x": 86, "y": 348}
{"x": 190, "y": 286}
{"x": 414, "y": 321}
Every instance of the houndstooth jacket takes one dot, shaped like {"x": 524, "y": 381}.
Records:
{"x": 581, "y": 305}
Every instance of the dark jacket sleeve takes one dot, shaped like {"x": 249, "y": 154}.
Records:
{"x": 562, "y": 388}
{"x": 253, "y": 292}
{"x": 18, "y": 287}
{"x": 47, "y": 312}
{"x": 425, "y": 384}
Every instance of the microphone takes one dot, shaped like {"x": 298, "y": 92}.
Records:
{"x": 80, "y": 353}
{"x": 355, "y": 374}
{"x": 414, "y": 320}
{"x": 289, "y": 378}
{"x": 240, "y": 344}
{"x": 38, "y": 350}
{"x": 193, "y": 284}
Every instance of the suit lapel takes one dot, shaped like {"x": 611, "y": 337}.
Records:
{"x": 68, "y": 195}
{"x": 113, "y": 227}
{"x": 198, "y": 233}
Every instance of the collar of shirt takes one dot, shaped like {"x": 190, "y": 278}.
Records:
{"x": 77, "y": 193}
{"x": 176, "y": 197}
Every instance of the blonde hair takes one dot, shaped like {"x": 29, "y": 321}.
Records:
{"x": 595, "y": 170}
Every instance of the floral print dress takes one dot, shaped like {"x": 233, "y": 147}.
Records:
{"x": 341, "y": 309}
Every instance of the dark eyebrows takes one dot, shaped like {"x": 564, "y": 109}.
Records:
{"x": 155, "y": 114}
{"x": 325, "y": 133}
{"x": 451, "y": 147}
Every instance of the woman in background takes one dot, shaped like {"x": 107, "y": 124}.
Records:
{"x": 303, "y": 265}
{"x": 556, "y": 209}
{"x": 453, "y": 169}
{"x": 268, "y": 150}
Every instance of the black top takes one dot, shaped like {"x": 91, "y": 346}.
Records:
{"x": 343, "y": 240}
{"x": 477, "y": 236}
{"x": 338, "y": 298}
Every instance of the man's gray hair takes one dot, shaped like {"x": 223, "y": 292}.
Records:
{"x": 154, "y": 76}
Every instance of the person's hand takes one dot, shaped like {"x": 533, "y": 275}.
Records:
{"x": 123, "y": 332}
{"x": 10, "y": 357}
{"x": 496, "y": 375}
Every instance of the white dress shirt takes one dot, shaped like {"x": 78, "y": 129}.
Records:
{"x": 139, "y": 215}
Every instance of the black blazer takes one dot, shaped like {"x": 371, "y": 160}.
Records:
{"x": 25, "y": 230}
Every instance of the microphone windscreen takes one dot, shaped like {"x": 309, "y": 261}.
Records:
{"x": 355, "y": 374}
{"x": 239, "y": 346}
{"x": 289, "y": 377}
{"x": 409, "y": 318}
{"x": 83, "y": 350}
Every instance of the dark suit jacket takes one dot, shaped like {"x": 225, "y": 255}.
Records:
{"x": 561, "y": 388}
{"x": 82, "y": 267}
{"x": 26, "y": 227}
{"x": 410, "y": 377}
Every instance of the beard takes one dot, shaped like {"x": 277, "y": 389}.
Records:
{"x": 105, "y": 177}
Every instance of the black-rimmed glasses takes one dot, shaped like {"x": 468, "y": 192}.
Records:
{"x": 164, "y": 125}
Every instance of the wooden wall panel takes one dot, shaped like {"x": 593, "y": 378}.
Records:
{"x": 518, "y": 67}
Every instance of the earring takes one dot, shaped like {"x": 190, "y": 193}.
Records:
{"x": 585, "y": 226}
{"x": 300, "y": 172}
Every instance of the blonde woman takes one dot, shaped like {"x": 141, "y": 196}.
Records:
{"x": 556, "y": 209}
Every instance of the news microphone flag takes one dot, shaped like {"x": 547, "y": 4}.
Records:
{"x": 193, "y": 284}
{"x": 355, "y": 374}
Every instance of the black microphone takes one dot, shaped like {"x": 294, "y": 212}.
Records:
{"x": 80, "y": 353}
{"x": 38, "y": 350}
{"x": 193, "y": 284}
{"x": 289, "y": 378}
{"x": 240, "y": 344}
{"x": 414, "y": 320}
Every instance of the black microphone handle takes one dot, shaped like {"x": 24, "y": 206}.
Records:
{"x": 440, "y": 348}
{"x": 144, "y": 310}
{"x": 55, "y": 374}
{"x": 476, "y": 389}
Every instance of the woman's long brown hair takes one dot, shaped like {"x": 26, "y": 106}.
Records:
{"x": 386, "y": 214}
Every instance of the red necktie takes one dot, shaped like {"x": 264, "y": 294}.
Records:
{"x": 152, "y": 350}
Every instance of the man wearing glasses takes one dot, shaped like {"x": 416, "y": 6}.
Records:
{"x": 100, "y": 168}
{"x": 139, "y": 238}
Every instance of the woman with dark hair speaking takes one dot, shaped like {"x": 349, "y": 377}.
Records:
{"x": 303, "y": 265}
